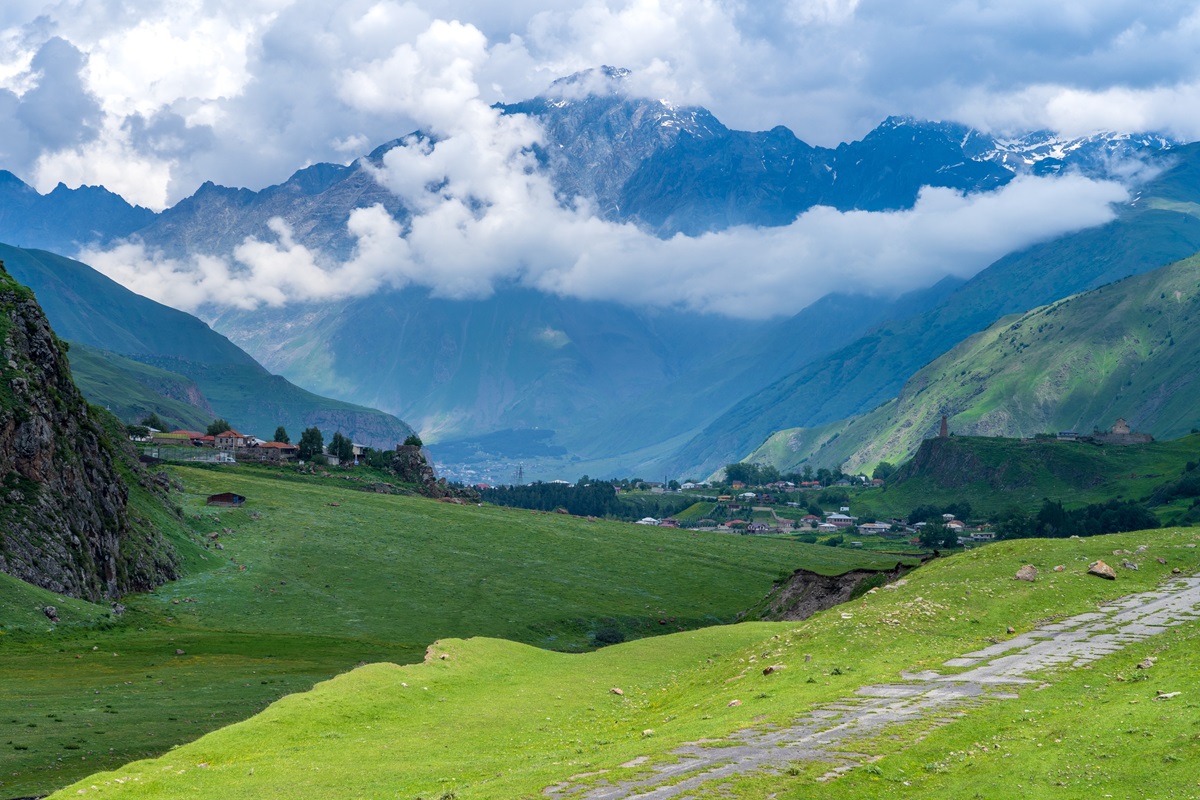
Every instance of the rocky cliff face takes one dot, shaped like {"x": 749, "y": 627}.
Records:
{"x": 65, "y": 522}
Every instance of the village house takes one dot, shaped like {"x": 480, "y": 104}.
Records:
{"x": 757, "y": 527}
{"x": 231, "y": 440}
{"x": 838, "y": 520}
{"x": 277, "y": 451}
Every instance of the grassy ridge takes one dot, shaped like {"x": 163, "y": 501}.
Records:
{"x": 1129, "y": 349}
{"x": 131, "y": 390}
{"x": 996, "y": 474}
{"x": 499, "y": 720}
{"x": 335, "y": 577}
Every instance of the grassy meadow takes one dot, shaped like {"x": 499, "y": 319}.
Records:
{"x": 314, "y": 577}
{"x": 485, "y": 718}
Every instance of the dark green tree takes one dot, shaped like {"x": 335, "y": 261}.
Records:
{"x": 312, "y": 443}
{"x": 218, "y": 425}
{"x": 151, "y": 420}
{"x": 413, "y": 441}
{"x": 937, "y": 535}
{"x": 341, "y": 447}
{"x": 883, "y": 471}
{"x": 281, "y": 435}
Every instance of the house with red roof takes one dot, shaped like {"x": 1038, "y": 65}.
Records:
{"x": 231, "y": 440}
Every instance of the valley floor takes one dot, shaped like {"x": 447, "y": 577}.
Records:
{"x": 698, "y": 714}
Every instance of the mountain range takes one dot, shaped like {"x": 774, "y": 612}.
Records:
{"x": 622, "y": 389}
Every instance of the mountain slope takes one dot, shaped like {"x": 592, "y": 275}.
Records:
{"x": 1129, "y": 349}
{"x": 87, "y": 307}
{"x": 66, "y": 521}
{"x": 1159, "y": 227}
{"x": 131, "y": 390}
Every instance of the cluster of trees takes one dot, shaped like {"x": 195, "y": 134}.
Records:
{"x": 1055, "y": 522}
{"x": 936, "y": 535}
{"x": 592, "y": 499}
{"x": 760, "y": 474}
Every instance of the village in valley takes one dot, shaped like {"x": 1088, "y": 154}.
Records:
{"x": 230, "y": 446}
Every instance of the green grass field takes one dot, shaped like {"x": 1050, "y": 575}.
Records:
{"x": 484, "y": 718}
{"x": 316, "y": 577}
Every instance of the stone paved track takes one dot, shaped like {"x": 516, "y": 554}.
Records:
{"x": 823, "y": 734}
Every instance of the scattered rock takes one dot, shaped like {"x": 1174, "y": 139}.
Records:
{"x": 1176, "y": 571}
{"x": 616, "y": 691}
{"x": 226, "y": 530}
{"x": 1120, "y": 552}
{"x": 1166, "y": 695}
{"x": 733, "y": 703}
{"x": 444, "y": 657}
{"x": 1141, "y": 548}
{"x": 220, "y": 546}
{"x": 773, "y": 669}
{"x": 648, "y": 732}
{"x": 1059, "y": 568}
{"x": 1100, "y": 569}
{"x": 1146, "y": 663}
{"x": 1026, "y": 573}
{"x": 1011, "y": 630}
{"x": 214, "y": 535}
{"x": 1161, "y": 560}
{"x": 118, "y": 610}
{"x": 807, "y": 658}
{"x": 1129, "y": 565}
{"x": 51, "y": 613}
{"x": 179, "y": 652}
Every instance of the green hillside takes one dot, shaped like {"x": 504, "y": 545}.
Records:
{"x": 315, "y": 576}
{"x": 483, "y": 718}
{"x": 1160, "y": 227}
{"x": 996, "y": 474}
{"x": 131, "y": 390}
{"x": 1129, "y": 349}
{"x": 87, "y": 308}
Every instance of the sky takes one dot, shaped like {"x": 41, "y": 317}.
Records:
{"x": 152, "y": 98}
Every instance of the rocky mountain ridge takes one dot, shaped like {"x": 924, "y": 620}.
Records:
{"x": 65, "y": 520}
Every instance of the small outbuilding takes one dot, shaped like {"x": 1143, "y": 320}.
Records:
{"x": 228, "y": 499}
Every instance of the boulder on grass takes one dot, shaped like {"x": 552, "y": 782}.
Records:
{"x": 1102, "y": 570}
{"x": 1026, "y": 573}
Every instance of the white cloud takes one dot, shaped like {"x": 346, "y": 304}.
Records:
{"x": 245, "y": 91}
{"x": 108, "y": 161}
{"x": 484, "y": 215}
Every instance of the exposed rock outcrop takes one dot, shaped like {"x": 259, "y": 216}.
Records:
{"x": 805, "y": 593}
{"x": 411, "y": 465}
{"x": 65, "y": 522}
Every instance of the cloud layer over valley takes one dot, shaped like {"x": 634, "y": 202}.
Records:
{"x": 151, "y": 99}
